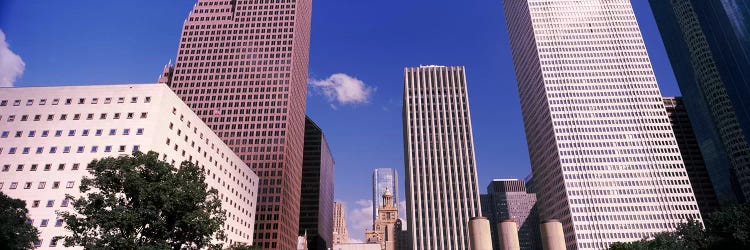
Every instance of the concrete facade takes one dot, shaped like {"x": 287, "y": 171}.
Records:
{"x": 604, "y": 158}
{"x": 509, "y": 199}
{"x": 50, "y": 134}
{"x": 438, "y": 158}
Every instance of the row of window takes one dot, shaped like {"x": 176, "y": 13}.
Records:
{"x": 40, "y": 185}
{"x": 72, "y": 132}
{"x": 69, "y": 101}
{"x": 67, "y": 149}
{"x": 89, "y": 116}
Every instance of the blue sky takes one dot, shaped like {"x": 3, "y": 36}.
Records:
{"x": 90, "y": 42}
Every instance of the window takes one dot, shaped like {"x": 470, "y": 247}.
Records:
{"x": 63, "y": 117}
{"x": 35, "y": 203}
{"x": 27, "y": 185}
{"x": 130, "y": 115}
{"x": 52, "y": 150}
{"x": 50, "y": 203}
{"x": 136, "y": 147}
{"x": 45, "y": 133}
{"x": 13, "y": 185}
{"x": 133, "y": 99}
{"x": 117, "y": 116}
{"x": 6, "y": 168}
{"x": 85, "y": 132}
{"x": 19, "y": 133}
{"x": 126, "y": 131}
{"x": 72, "y": 132}
{"x": 12, "y": 150}
{"x": 24, "y": 118}
{"x": 50, "y": 117}
{"x": 112, "y": 131}
{"x": 80, "y": 149}
{"x": 44, "y": 223}
{"x": 58, "y": 133}
{"x": 55, "y": 101}
{"x": 5, "y": 134}
{"x": 3, "y": 103}
{"x": 42, "y": 101}
{"x": 103, "y": 116}
{"x": 59, "y": 223}
{"x": 37, "y": 243}
{"x": 55, "y": 185}
{"x": 16, "y": 102}
{"x": 90, "y": 116}
{"x": 94, "y": 149}
{"x": 108, "y": 148}
{"x": 26, "y": 150}
{"x": 121, "y": 149}
{"x": 98, "y": 132}
{"x": 75, "y": 166}
{"x": 39, "y": 150}
{"x": 19, "y": 167}
{"x": 94, "y": 100}
{"x": 76, "y": 116}
{"x": 139, "y": 131}
{"x": 64, "y": 202}
{"x": 61, "y": 167}
{"x": 32, "y": 133}
{"x": 107, "y": 100}
{"x": 81, "y": 100}
{"x": 47, "y": 167}
{"x": 53, "y": 242}
{"x": 66, "y": 149}
{"x": 148, "y": 99}
{"x": 120, "y": 99}
{"x": 33, "y": 167}
{"x": 37, "y": 117}
{"x": 70, "y": 184}
{"x": 42, "y": 185}
{"x": 144, "y": 115}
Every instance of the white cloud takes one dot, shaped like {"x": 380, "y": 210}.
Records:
{"x": 11, "y": 65}
{"x": 359, "y": 219}
{"x": 343, "y": 89}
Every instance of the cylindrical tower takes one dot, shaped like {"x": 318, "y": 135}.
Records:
{"x": 508, "y": 235}
{"x": 480, "y": 237}
{"x": 552, "y": 235}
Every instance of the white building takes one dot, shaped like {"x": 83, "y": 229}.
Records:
{"x": 49, "y": 135}
{"x": 604, "y": 158}
{"x": 441, "y": 179}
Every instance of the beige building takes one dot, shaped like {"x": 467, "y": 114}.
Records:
{"x": 357, "y": 246}
{"x": 49, "y": 134}
{"x": 340, "y": 234}
{"x": 384, "y": 227}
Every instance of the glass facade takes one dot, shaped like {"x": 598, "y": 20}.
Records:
{"x": 383, "y": 178}
{"x": 708, "y": 43}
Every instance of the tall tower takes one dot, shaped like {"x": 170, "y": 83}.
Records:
{"x": 441, "y": 176}
{"x": 691, "y": 155}
{"x": 340, "y": 234}
{"x": 382, "y": 179}
{"x": 242, "y": 67}
{"x": 603, "y": 155}
{"x": 316, "y": 207}
{"x": 708, "y": 43}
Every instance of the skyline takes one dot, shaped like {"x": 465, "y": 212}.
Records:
{"x": 155, "y": 37}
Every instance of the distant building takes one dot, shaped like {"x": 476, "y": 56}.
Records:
{"x": 708, "y": 43}
{"x": 508, "y": 199}
{"x": 386, "y": 227}
{"x": 441, "y": 178}
{"x": 316, "y": 206}
{"x": 340, "y": 233}
{"x": 691, "y": 155}
{"x": 50, "y": 134}
{"x": 382, "y": 179}
{"x": 356, "y": 246}
{"x": 403, "y": 237}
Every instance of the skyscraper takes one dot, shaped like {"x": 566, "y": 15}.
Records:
{"x": 316, "y": 207}
{"x": 382, "y": 179}
{"x": 691, "y": 155}
{"x": 708, "y": 43}
{"x": 340, "y": 234}
{"x": 604, "y": 159}
{"x": 242, "y": 67}
{"x": 509, "y": 199}
{"x": 48, "y": 135}
{"x": 441, "y": 176}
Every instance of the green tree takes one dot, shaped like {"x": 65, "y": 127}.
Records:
{"x": 243, "y": 247}
{"x": 140, "y": 202}
{"x": 726, "y": 229}
{"x": 15, "y": 233}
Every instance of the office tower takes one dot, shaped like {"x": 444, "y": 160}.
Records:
{"x": 340, "y": 234}
{"x": 508, "y": 199}
{"x": 386, "y": 227}
{"x": 708, "y": 43}
{"x": 50, "y": 134}
{"x": 604, "y": 159}
{"x": 242, "y": 67}
{"x": 441, "y": 176}
{"x": 382, "y": 179}
{"x": 316, "y": 208}
{"x": 691, "y": 155}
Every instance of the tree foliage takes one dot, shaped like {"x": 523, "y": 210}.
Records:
{"x": 243, "y": 247}
{"x": 15, "y": 233}
{"x": 140, "y": 202}
{"x": 727, "y": 229}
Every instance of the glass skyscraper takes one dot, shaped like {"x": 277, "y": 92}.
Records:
{"x": 603, "y": 154}
{"x": 708, "y": 43}
{"x": 383, "y": 178}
